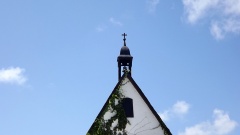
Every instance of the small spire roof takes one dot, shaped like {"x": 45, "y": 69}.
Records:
{"x": 125, "y": 50}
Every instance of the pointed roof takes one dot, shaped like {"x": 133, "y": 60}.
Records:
{"x": 126, "y": 75}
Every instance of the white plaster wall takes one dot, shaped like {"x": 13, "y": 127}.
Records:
{"x": 143, "y": 122}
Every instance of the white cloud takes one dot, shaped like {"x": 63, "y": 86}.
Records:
{"x": 12, "y": 75}
{"x": 219, "y": 29}
{"x": 224, "y": 15}
{"x": 232, "y": 7}
{"x": 106, "y": 25}
{"x": 196, "y": 9}
{"x": 179, "y": 109}
{"x": 152, "y": 5}
{"x": 232, "y": 25}
{"x": 165, "y": 115}
{"x": 221, "y": 125}
{"x": 115, "y": 22}
{"x": 216, "y": 31}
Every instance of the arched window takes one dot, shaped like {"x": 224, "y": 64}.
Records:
{"x": 128, "y": 107}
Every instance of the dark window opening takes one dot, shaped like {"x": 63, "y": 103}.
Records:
{"x": 128, "y": 107}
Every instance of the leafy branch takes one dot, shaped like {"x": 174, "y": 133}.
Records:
{"x": 105, "y": 127}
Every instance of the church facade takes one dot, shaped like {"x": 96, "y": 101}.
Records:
{"x": 127, "y": 111}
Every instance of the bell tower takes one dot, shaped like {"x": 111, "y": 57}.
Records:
{"x": 124, "y": 59}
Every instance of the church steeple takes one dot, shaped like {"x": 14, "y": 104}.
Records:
{"x": 120, "y": 113}
{"x": 124, "y": 59}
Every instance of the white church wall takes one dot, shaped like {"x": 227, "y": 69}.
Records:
{"x": 144, "y": 122}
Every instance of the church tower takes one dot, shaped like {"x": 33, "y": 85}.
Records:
{"x": 127, "y": 110}
{"x": 124, "y": 59}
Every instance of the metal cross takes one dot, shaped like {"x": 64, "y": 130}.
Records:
{"x": 124, "y": 38}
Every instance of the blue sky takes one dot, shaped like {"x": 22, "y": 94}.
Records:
{"x": 58, "y": 63}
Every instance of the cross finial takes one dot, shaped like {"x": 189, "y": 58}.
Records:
{"x": 124, "y": 38}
